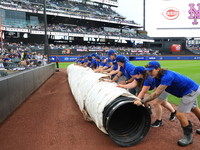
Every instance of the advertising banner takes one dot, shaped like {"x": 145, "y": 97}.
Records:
{"x": 150, "y": 58}
{"x": 64, "y": 58}
{"x": 131, "y": 58}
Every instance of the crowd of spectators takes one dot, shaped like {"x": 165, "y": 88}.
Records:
{"x": 30, "y": 48}
{"x": 66, "y": 28}
{"x": 194, "y": 48}
{"x": 20, "y": 59}
{"x": 69, "y": 8}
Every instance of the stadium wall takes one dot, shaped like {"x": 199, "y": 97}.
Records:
{"x": 15, "y": 88}
{"x": 133, "y": 58}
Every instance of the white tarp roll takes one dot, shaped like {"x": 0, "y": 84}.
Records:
{"x": 93, "y": 94}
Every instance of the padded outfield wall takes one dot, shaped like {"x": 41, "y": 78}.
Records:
{"x": 133, "y": 58}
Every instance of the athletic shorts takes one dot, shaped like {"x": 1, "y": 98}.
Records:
{"x": 189, "y": 101}
{"x": 135, "y": 90}
{"x": 122, "y": 78}
{"x": 163, "y": 96}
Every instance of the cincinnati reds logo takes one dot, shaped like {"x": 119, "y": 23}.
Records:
{"x": 171, "y": 13}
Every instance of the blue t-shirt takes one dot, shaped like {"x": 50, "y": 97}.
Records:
{"x": 149, "y": 81}
{"x": 114, "y": 62}
{"x": 102, "y": 64}
{"x": 89, "y": 63}
{"x": 98, "y": 64}
{"x": 107, "y": 65}
{"x": 178, "y": 84}
{"x": 94, "y": 62}
{"x": 84, "y": 61}
{"x": 126, "y": 69}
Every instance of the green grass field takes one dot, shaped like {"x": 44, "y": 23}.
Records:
{"x": 189, "y": 68}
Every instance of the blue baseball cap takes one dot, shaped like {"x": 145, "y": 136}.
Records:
{"x": 89, "y": 56}
{"x": 6, "y": 58}
{"x": 111, "y": 52}
{"x": 120, "y": 58}
{"x": 94, "y": 54}
{"x": 109, "y": 60}
{"x": 152, "y": 65}
{"x": 97, "y": 57}
{"x": 137, "y": 70}
{"x": 102, "y": 58}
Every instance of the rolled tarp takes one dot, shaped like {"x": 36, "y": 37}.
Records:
{"x": 109, "y": 107}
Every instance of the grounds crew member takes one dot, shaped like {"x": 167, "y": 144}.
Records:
{"x": 179, "y": 86}
{"x": 123, "y": 76}
{"x": 146, "y": 83}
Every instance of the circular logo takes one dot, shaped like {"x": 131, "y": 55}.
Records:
{"x": 178, "y": 48}
{"x": 170, "y": 13}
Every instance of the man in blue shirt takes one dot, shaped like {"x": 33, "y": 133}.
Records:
{"x": 179, "y": 86}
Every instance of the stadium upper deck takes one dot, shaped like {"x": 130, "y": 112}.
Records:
{"x": 26, "y": 16}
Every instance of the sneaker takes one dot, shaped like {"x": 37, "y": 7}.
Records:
{"x": 149, "y": 109}
{"x": 157, "y": 123}
{"x": 198, "y": 131}
{"x": 172, "y": 116}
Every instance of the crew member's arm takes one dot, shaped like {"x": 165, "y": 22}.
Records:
{"x": 144, "y": 90}
{"x": 103, "y": 68}
{"x": 116, "y": 77}
{"x": 114, "y": 71}
{"x": 151, "y": 97}
{"x": 127, "y": 81}
{"x": 128, "y": 86}
{"x": 109, "y": 69}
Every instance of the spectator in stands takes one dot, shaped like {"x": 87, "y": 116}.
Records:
{"x": 6, "y": 63}
{"x": 27, "y": 61}
{"x": 44, "y": 60}
{"x": 39, "y": 58}
{"x": 22, "y": 55}
{"x": 1, "y": 63}
{"x": 32, "y": 64}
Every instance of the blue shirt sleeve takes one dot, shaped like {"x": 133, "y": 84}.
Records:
{"x": 178, "y": 85}
{"x": 149, "y": 81}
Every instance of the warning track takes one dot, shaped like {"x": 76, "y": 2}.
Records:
{"x": 50, "y": 119}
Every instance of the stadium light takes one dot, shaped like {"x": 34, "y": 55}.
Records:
{"x": 46, "y": 47}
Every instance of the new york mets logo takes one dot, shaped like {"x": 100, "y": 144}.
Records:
{"x": 170, "y": 13}
{"x": 194, "y": 14}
